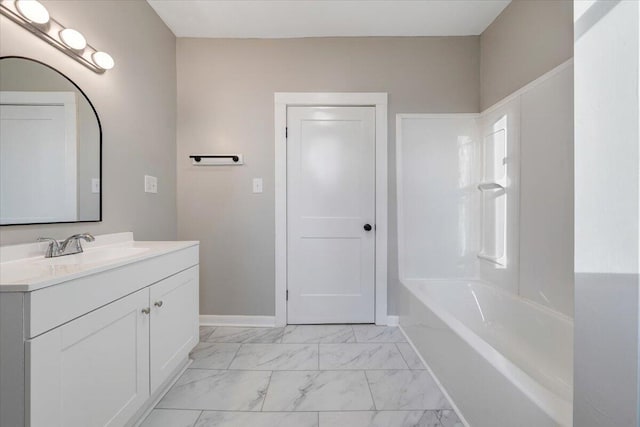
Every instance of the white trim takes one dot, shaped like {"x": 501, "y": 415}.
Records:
{"x": 444, "y": 391}
{"x": 393, "y": 320}
{"x": 244, "y": 321}
{"x": 284, "y": 99}
{"x": 331, "y": 98}
{"x": 400, "y": 192}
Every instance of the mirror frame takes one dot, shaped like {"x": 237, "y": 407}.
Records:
{"x": 99, "y": 142}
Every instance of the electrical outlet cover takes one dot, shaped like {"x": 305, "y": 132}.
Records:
{"x": 95, "y": 185}
{"x": 150, "y": 184}
{"x": 257, "y": 185}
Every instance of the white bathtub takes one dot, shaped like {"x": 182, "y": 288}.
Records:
{"x": 502, "y": 360}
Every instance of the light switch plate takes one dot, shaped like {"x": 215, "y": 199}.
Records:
{"x": 95, "y": 185}
{"x": 257, "y": 185}
{"x": 150, "y": 184}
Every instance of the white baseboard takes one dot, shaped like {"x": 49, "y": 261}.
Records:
{"x": 245, "y": 321}
{"x": 256, "y": 321}
{"x": 393, "y": 320}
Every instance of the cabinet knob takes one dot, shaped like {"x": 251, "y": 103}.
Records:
{"x": 158, "y": 303}
{"x": 146, "y": 310}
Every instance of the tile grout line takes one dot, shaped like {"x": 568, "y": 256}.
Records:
{"x": 332, "y": 369}
{"x": 300, "y": 412}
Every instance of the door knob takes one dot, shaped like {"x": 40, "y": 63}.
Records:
{"x": 158, "y": 303}
{"x": 367, "y": 227}
{"x": 146, "y": 310}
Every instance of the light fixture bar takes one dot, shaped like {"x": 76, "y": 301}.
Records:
{"x": 50, "y": 33}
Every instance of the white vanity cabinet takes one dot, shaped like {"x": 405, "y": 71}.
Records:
{"x": 99, "y": 369}
{"x": 99, "y": 349}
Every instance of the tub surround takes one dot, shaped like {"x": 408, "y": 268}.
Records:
{"x": 458, "y": 302}
{"x": 435, "y": 163}
{"x": 129, "y": 308}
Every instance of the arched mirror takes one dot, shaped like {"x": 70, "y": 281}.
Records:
{"x": 50, "y": 147}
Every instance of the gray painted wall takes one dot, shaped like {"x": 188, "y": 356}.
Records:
{"x": 225, "y": 105}
{"x": 136, "y": 102}
{"x": 529, "y": 38}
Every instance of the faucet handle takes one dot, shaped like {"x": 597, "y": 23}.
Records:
{"x": 76, "y": 239}
{"x": 53, "y": 248}
{"x": 48, "y": 239}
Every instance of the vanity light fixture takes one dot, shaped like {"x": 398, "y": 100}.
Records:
{"x": 72, "y": 38}
{"x": 33, "y": 10}
{"x": 34, "y": 17}
{"x": 103, "y": 60}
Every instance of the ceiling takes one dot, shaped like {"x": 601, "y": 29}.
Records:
{"x": 326, "y": 18}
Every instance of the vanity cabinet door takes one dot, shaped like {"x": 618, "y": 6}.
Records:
{"x": 174, "y": 323}
{"x": 92, "y": 371}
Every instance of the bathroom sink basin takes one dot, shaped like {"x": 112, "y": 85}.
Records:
{"x": 93, "y": 256}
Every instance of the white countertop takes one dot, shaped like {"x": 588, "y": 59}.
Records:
{"x": 21, "y": 270}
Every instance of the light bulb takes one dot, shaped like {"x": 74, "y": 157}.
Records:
{"x": 33, "y": 10}
{"x": 103, "y": 60}
{"x": 73, "y": 39}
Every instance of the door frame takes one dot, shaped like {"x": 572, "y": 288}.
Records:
{"x": 282, "y": 101}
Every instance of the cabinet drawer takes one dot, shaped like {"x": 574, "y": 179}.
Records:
{"x": 174, "y": 323}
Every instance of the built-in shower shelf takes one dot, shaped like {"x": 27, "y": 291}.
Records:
{"x": 499, "y": 261}
{"x": 484, "y": 186}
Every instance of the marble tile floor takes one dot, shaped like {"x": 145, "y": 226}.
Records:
{"x": 304, "y": 376}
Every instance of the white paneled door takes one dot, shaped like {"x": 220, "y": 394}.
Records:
{"x": 330, "y": 215}
{"x": 38, "y": 132}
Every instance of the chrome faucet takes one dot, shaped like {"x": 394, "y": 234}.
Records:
{"x": 56, "y": 248}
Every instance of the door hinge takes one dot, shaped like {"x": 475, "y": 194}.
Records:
{"x": 286, "y": 132}
{"x": 287, "y": 294}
